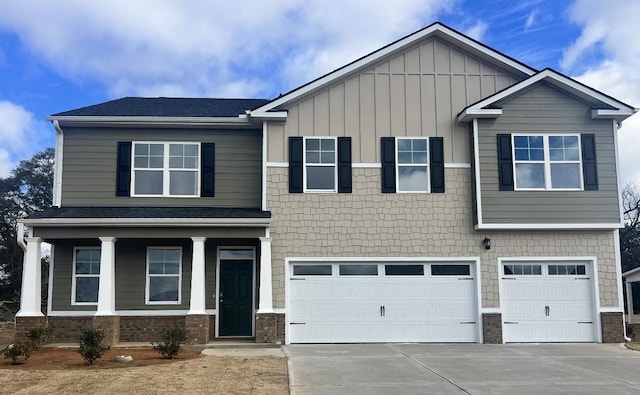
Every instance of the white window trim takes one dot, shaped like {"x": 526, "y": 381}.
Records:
{"x": 398, "y": 165}
{"x": 165, "y": 169}
{"x": 305, "y": 164}
{"x": 148, "y": 276}
{"x": 547, "y": 162}
{"x": 74, "y": 276}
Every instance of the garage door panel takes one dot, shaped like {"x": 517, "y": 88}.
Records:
{"x": 382, "y": 309}
{"x": 548, "y": 308}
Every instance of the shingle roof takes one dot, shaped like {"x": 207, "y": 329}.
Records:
{"x": 150, "y": 212}
{"x": 167, "y": 107}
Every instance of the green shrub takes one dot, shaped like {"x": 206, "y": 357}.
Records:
{"x": 91, "y": 347}
{"x": 15, "y": 351}
{"x": 37, "y": 336}
{"x": 170, "y": 344}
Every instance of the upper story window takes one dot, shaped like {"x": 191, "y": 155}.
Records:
{"x": 320, "y": 164}
{"x": 412, "y": 170}
{"x": 86, "y": 275}
{"x": 166, "y": 169}
{"x": 547, "y": 162}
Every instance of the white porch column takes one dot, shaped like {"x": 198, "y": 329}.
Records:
{"x": 629, "y": 287}
{"x": 198, "y": 295}
{"x": 30, "y": 296}
{"x": 107, "y": 284}
{"x": 266, "y": 291}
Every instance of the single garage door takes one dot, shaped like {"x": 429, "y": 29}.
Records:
{"x": 548, "y": 302}
{"x": 364, "y": 302}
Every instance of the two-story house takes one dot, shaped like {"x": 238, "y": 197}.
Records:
{"x": 435, "y": 190}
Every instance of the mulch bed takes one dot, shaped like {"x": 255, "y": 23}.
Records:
{"x": 63, "y": 358}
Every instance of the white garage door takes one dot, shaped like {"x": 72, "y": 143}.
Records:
{"x": 356, "y": 303}
{"x": 548, "y": 302}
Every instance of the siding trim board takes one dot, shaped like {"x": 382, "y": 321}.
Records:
{"x": 558, "y": 226}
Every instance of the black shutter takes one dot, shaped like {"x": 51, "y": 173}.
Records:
{"x": 344, "y": 164}
{"x": 436, "y": 163}
{"x": 589, "y": 163}
{"x": 388, "y": 156}
{"x": 123, "y": 171}
{"x": 295, "y": 164}
{"x": 505, "y": 163}
{"x": 207, "y": 169}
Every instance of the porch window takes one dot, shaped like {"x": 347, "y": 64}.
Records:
{"x": 164, "y": 275}
{"x": 86, "y": 275}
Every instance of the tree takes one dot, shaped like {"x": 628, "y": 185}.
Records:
{"x": 630, "y": 235}
{"x": 28, "y": 189}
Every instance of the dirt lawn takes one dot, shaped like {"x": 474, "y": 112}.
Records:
{"x": 62, "y": 370}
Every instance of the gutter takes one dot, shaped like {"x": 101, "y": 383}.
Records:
{"x": 241, "y": 120}
{"x": 149, "y": 222}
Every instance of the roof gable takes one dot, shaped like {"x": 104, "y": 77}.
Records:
{"x": 603, "y": 106}
{"x": 438, "y": 30}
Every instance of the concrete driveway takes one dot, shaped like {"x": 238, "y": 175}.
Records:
{"x": 463, "y": 369}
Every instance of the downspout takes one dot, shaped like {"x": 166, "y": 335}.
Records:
{"x": 57, "y": 172}
{"x": 20, "y": 237}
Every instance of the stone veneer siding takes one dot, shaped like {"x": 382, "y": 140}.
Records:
{"x": 368, "y": 223}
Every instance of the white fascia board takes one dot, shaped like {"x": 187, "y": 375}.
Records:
{"x": 146, "y": 222}
{"x": 621, "y": 110}
{"x": 159, "y": 121}
{"x": 435, "y": 28}
{"x": 269, "y": 115}
{"x": 468, "y": 114}
{"x": 591, "y": 226}
{"x": 465, "y": 259}
{"x": 630, "y": 272}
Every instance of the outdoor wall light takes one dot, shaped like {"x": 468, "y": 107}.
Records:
{"x": 487, "y": 243}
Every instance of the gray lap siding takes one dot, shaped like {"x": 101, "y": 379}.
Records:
{"x": 130, "y": 268}
{"x": 89, "y": 166}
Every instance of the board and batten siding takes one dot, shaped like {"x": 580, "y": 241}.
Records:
{"x": 89, "y": 166}
{"x": 418, "y": 92}
{"x": 543, "y": 109}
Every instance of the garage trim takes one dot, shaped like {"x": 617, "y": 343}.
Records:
{"x": 331, "y": 260}
{"x": 595, "y": 283}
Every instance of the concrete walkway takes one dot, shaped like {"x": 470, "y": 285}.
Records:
{"x": 463, "y": 369}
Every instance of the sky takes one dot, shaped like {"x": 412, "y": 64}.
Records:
{"x": 59, "y": 55}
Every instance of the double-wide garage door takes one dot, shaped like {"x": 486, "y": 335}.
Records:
{"x": 382, "y": 302}
{"x": 548, "y": 302}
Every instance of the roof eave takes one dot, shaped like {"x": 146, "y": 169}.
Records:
{"x": 149, "y": 120}
{"x": 149, "y": 222}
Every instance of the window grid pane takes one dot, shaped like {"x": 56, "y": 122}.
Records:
{"x": 523, "y": 270}
{"x": 152, "y": 165}
{"x": 164, "y": 275}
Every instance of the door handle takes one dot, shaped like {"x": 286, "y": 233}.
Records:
{"x": 384, "y": 313}
{"x": 546, "y": 310}
{"x": 380, "y": 311}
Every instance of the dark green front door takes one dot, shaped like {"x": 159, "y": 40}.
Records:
{"x": 234, "y": 303}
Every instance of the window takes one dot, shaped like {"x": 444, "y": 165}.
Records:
{"x": 547, "y": 162}
{"x": 86, "y": 275}
{"x": 404, "y": 270}
{"x": 166, "y": 169}
{"x": 164, "y": 275}
{"x": 312, "y": 270}
{"x": 450, "y": 270}
{"x": 358, "y": 270}
{"x": 523, "y": 270}
{"x": 412, "y": 165}
{"x": 320, "y": 164}
{"x": 567, "y": 270}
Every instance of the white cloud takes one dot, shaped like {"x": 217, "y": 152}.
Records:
{"x": 610, "y": 28}
{"x": 477, "y": 31}
{"x": 20, "y": 133}
{"x": 204, "y": 48}
{"x": 531, "y": 18}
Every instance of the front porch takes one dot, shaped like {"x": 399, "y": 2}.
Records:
{"x": 134, "y": 280}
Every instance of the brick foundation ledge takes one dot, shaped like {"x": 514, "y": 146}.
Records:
{"x": 110, "y": 324}
{"x": 24, "y": 323}
{"x": 492, "y": 328}
{"x": 270, "y": 328}
{"x": 197, "y": 328}
{"x": 612, "y": 327}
